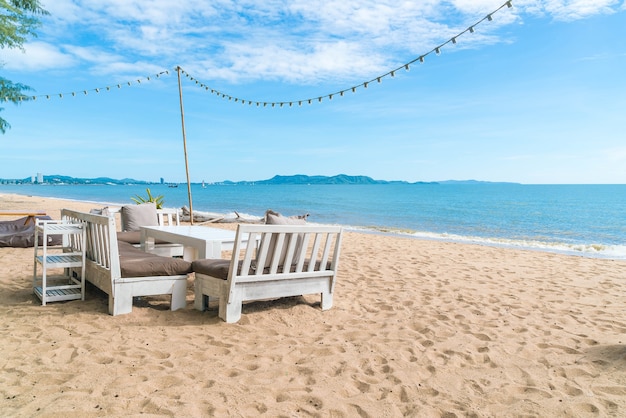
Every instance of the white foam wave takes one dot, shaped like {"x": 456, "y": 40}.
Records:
{"x": 587, "y": 250}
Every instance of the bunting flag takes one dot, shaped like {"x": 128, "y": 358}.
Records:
{"x": 260, "y": 103}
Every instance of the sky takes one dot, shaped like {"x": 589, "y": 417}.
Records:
{"x": 536, "y": 95}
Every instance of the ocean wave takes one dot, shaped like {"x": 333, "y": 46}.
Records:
{"x": 591, "y": 250}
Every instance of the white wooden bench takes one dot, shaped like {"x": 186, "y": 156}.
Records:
{"x": 123, "y": 271}
{"x": 259, "y": 272}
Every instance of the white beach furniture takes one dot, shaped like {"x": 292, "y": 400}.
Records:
{"x": 290, "y": 260}
{"x": 70, "y": 257}
{"x": 123, "y": 271}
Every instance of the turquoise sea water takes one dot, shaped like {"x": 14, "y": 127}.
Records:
{"x": 588, "y": 220}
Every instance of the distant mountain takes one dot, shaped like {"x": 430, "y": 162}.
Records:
{"x": 338, "y": 179}
{"x": 58, "y": 179}
{"x": 278, "y": 179}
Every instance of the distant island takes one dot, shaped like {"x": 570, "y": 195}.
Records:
{"x": 278, "y": 179}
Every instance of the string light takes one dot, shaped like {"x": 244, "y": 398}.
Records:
{"x": 392, "y": 73}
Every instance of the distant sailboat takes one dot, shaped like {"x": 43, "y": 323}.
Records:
{"x": 203, "y": 185}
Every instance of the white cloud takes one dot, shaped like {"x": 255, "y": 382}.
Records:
{"x": 36, "y": 56}
{"x": 296, "y": 40}
{"x": 568, "y": 10}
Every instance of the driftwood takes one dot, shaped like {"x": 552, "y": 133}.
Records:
{"x": 211, "y": 217}
{"x": 234, "y": 217}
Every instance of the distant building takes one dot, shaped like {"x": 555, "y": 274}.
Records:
{"x": 39, "y": 178}
{"x": 162, "y": 180}
{"x": 32, "y": 179}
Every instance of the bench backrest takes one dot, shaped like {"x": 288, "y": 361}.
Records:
{"x": 168, "y": 216}
{"x": 309, "y": 250}
{"x": 101, "y": 250}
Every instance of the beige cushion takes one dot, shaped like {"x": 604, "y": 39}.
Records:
{"x": 134, "y": 216}
{"x": 274, "y": 218}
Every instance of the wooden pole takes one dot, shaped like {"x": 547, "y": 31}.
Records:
{"x": 182, "y": 118}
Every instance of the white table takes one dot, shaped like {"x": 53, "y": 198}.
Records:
{"x": 198, "y": 241}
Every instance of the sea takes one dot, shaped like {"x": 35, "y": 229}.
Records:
{"x": 585, "y": 220}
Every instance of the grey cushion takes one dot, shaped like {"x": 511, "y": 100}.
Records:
{"x": 134, "y": 216}
{"x": 137, "y": 263}
{"x": 17, "y": 233}
{"x": 218, "y": 268}
{"x": 134, "y": 237}
{"x": 274, "y": 218}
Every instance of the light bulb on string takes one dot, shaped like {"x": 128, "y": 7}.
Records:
{"x": 422, "y": 59}
{"x": 437, "y": 51}
{"x": 489, "y": 18}
{"x": 454, "y": 40}
{"x": 471, "y": 29}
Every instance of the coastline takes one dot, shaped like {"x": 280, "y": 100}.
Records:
{"x": 418, "y": 328}
{"x": 591, "y": 248}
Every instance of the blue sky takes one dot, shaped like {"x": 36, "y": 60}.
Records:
{"x": 537, "y": 95}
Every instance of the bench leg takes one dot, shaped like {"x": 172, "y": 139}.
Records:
{"x": 230, "y": 312}
{"x": 179, "y": 295}
{"x": 120, "y": 304}
{"x": 327, "y": 300}
{"x": 200, "y": 301}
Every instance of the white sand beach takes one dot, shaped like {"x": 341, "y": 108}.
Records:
{"x": 418, "y": 328}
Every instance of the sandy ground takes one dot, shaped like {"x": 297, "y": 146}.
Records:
{"x": 418, "y": 328}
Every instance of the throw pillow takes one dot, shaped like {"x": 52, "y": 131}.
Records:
{"x": 275, "y": 218}
{"x": 134, "y": 216}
